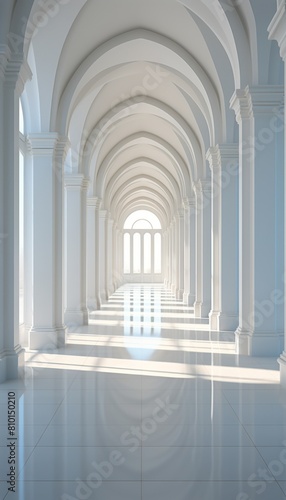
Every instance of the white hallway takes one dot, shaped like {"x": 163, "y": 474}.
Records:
{"x": 142, "y": 253}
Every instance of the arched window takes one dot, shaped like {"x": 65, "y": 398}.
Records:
{"x": 142, "y": 247}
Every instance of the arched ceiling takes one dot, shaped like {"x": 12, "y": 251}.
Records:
{"x": 141, "y": 89}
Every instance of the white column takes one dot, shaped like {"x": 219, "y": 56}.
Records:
{"x": 109, "y": 256}
{"x": 255, "y": 112}
{"x": 120, "y": 257}
{"x": 277, "y": 30}
{"x": 102, "y": 256}
{"x": 203, "y": 249}
{"x": 180, "y": 253}
{"x": 11, "y": 86}
{"x": 76, "y": 207}
{"x": 115, "y": 256}
{"x": 28, "y": 245}
{"x": 49, "y": 152}
{"x": 190, "y": 252}
{"x": 223, "y": 162}
{"x": 91, "y": 268}
{"x": 170, "y": 256}
{"x": 199, "y": 249}
{"x": 174, "y": 257}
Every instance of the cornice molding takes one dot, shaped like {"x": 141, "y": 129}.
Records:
{"x": 222, "y": 154}
{"x": 77, "y": 181}
{"x": 42, "y": 144}
{"x": 277, "y": 28}
{"x": 251, "y": 101}
{"x": 94, "y": 202}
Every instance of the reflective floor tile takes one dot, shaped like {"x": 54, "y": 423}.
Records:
{"x": 70, "y": 463}
{"x": 68, "y": 490}
{"x": 200, "y": 463}
{"x": 210, "y": 490}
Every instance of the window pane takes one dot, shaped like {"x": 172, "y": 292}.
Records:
{"x": 127, "y": 253}
{"x": 142, "y": 214}
{"x": 147, "y": 253}
{"x": 136, "y": 253}
{"x": 142, "y": 224}
{"x": 157, "y": 254}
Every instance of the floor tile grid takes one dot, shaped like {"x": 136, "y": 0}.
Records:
{"x": 244, "y": 426}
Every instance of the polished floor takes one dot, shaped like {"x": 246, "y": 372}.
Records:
{"x": 146, "y": 403}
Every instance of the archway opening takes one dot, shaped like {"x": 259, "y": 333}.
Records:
{"x": 142, "y": 248}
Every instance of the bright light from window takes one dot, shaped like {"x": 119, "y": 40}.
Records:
{"x": 142, "y": 224}
{"x": 140, "y": 216}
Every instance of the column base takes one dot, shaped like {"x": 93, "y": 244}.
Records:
{"x": 12, "y": 364}
{"x": 92, "y": 305}
{"x": 223, "y": 322}
{"x": 282, "y": 363}
{"x": 258, "y": 344}
{"x": 205, "y": 310}
{"x": 198, "y": 309}
{"x": 47, "y": 339}
{"x": 188, "y": 299}
{"x": 76, "y": 318}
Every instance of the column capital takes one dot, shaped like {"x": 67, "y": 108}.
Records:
{"x": 42, "y": 144}
{"x": 222, "y": 154}
{"x": 103, "y": 214}
{"x": 202, "y": 186}
{"x": 180, "y": 213}
{"x": 252, "y": 101}
{"x": 62, "y": 146}
{"x": 189, "y": 203}
{"x": 277, "y": 28}
{"x": 73, "y": 181}
{"x": 94, "y": 202}
{"x": 14, "y": 69}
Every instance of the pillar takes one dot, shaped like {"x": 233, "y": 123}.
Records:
{"x": 203, "y": 249}
{"x": 76, "y": 207}
{"x": 180, "y": 253}
{"x": 255, "y": 110}
{"x": 102, "y": 256}
{"x": 277, "y": 29}
{"x": 189, "y": 296}
{"x": 48, "y": 156}
{"x": 13, "y": 75}
{"x": 223, "y": 161}
{"x": 174, "y": 257}
{"x": 109, "y": 256}
{"x": 91, "y": 267}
